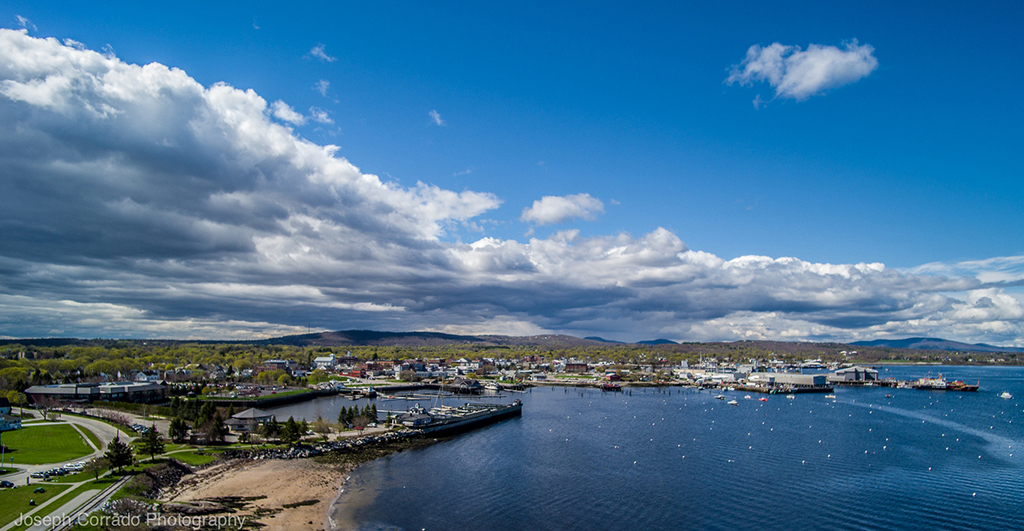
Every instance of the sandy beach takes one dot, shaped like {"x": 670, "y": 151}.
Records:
{"x": 282, "y": 494}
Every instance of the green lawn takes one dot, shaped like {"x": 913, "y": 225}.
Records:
{"x": 45, "y": 443}
{"x": 95, "y": 486}
{"x": 15, "y": 501}
{"x": 92, "y": 437}
{"x": 194, "y": 459}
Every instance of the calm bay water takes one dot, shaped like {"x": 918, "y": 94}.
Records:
{"x": 681, "y": 459}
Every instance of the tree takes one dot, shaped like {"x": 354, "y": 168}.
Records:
{"x": 96, "y": 467}
{"x": 290, "y": 431}
{"x": 151, "y": 443}
{"x": 118, "y": 454}
{"x": 272, "y": 429}
{"x": 322, "y": 427}
{"x": 215, "y": 429}
{"x": 178, "y": 430}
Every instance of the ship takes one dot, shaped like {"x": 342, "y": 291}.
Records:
{"x": 941, "y": 384}
{"x": 447, "y": 419}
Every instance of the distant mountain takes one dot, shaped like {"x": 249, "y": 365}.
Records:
{"x": 934, "y": 343}
{"x": 657, "y": 342}
{"x": 603, "y": 340}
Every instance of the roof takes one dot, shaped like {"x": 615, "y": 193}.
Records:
{"x": 252, "y": 413}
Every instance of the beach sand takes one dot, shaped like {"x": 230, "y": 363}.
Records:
{"x": 281, "y": 494}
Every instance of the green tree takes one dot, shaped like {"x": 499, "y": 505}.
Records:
{"x": 215, "y": 429}
{"x": 151, "y": 443}
{"x": 96, "y": 467}
{"x": 178, "y": 430}
{"x": 272, "y": 429}
{"x": 290, "y": 431}
{"x": 118, "y": 454}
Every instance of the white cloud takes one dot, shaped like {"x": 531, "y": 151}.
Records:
{"x": 282, "y": 111}
{"x": 559, "y": 209}
{"x": 319, "y": 52}
{"x": 135, "y": 202}
{"x": 800, "y": 74}
{"x": 25, "y": 23}
{"x": 435, "y": 117}
{"x": 322, "y": 87}
{"x": 319, "y": 115}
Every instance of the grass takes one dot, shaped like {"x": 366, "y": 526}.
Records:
{"x": 95, "y": 486}
{"x": 124, "y": 429}
{"x": 46, "y": 443}
{"x": 92, "y": 437}
{"x": 15, "y": 501}
{"x": 194, "y": 459}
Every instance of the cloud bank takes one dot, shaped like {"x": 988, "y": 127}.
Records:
{"x": 799, "y": 74}
{"x": 135, "y": 202}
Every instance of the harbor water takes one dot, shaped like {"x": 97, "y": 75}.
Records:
{"x": 677, "y": 458}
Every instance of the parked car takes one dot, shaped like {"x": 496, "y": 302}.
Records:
{"x": 6, "y": 485}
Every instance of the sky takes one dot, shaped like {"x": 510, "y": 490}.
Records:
{"x": 241, "y": 170}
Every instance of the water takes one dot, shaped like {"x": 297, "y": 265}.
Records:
{"x": 681, "y": 459}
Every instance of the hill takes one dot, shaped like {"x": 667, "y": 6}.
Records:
{"x": 935, "y": 343}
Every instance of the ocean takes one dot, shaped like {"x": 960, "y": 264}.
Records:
{"x": 675, "y": 458}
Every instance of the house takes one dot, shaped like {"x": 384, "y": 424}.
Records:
{"x": 248, "y": 420}
{"x": 575, "y": 367}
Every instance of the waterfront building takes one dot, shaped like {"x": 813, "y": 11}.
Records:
{"x": 248, "y": 420}
{"x": 853, "y": 376}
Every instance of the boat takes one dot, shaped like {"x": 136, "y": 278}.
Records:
{"x": 763, "y": 399}
{"x": 733, "y": 403}
{"x": 746, "y": 397}
{"x": 453, "y": 419}
{"x": 1006, "y": 394}
{"x": 833, "y": 397}
{"x": 608, "y": 386}
{"x": 720, "y": 397}
{"x": 491, "y": 386}
{"x": 941, "y": 384}
{"x": 888, "y": 395}
{"x": 791, "y": 396}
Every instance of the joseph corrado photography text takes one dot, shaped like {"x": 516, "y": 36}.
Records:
{"x": 104, "y": 521}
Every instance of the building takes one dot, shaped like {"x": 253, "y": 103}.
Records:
{"x": 5, "y": 406}
{"x": 576, "y": 368}
{"x": 786, "y": 379}
{"x": 278, "y": 365}
{"x": 325, "y": 362}
{"x": 88, "y": 392}
{"x": 248, "y": 420}
{"x": 853, "y": 376}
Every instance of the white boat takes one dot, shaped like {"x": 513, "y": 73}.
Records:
{"x": 833, "y": 397}
{"x": 790, "y": 396}
{"x": 733, "y": 403}
{"x": 1006, "y": 394}
{"x": 720, "y": 397}
{"x": 746, "y": 397}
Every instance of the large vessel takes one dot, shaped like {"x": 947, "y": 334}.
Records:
{"x": 453, "y": 419}
{"x": 941, "y": 384}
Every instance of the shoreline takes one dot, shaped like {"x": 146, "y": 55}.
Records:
{"x": 280, "y": 494}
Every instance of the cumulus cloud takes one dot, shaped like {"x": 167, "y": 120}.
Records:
{"x": 435, "y": 117}
{"x": 554, "y": 209}
{"x": 283, "y": 111}
{"x": 319, "y": 52}
{"x": 319, "y": 115}
{"x": 799, "y": 74}
{"x": 136, "y": 202}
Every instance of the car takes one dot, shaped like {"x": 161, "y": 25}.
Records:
{"x": 39, "y": 490}
{"x": 6, "y": 485}
{"x": 38, "y": 475}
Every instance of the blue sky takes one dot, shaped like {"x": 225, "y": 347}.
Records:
{"x": 904, "y": 157}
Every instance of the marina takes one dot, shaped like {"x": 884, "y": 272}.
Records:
{"x": 659, "y": 457}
